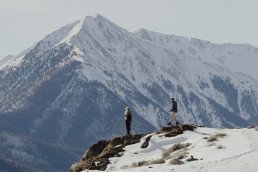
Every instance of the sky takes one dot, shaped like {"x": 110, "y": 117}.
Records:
{"x": 25, "y": 22}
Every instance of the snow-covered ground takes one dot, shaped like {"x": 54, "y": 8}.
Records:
{"x": 236, "y": 151}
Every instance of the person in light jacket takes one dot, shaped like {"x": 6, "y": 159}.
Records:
{"x": 174, "y": 111}
{"x": 128, "y": 119}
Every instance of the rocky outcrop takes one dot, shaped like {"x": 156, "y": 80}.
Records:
{"x": 172, "y": 131}
{"x": 97, "y": 156}
{"x": 146, "y": 142}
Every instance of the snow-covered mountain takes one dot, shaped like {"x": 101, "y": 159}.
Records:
{"x": 71, "y": 88}
{"x": 10, "y": 61}
{"x": 240, "y": 58}
{"x": 21, "y": 153}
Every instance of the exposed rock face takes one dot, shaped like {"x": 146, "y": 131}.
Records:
{"x": 172, "y": 131}
{"x": 97, "y": 156}
{"x": 146, "y": 142}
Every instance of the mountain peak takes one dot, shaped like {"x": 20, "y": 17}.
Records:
{"x": 95, "y": 16}
{"x": 88, "y": 24}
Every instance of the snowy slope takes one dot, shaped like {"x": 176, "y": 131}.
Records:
{"x": 236, "y": 151}
{"x": 8, "y": 61}
{"x": 12, "y": 60}
{"x": 240, "y": 58}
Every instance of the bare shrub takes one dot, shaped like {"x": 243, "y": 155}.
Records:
{"x": 179, "y": 155}
{"x": 182, "y": 155}
{"x": 250, "y": 127}
{"x": 138, "y": 164}
{"x": 211, "y": 144}
{"x": 176, "y": 158}
{"x": 176, "y": 162}
{"x": 144, "y": 163}
{"x": 215, "y": 137}
{"x": 221, "y": 134}
{"x": 220, "y": 147}
{"x": 174, "y": 148}
{"x": 157, "y": 161}
{"x": 256, "y": 128}
{"x": 212, "y": 138}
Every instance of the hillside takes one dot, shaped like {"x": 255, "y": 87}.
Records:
{"x": 181, "y": 148}
{"x": 22, "y": 153}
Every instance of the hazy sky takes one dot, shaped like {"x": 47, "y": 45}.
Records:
{"x": 24, "y": 22}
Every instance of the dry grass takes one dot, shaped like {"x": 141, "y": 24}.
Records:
{"x": 250, "y": 127}
{"x": 165, "y": 156}
{"x": 211, "y": 144}
{"x": 256, "y": 128}
{"x": 176, "y": 162}
{"x": 144, "y": 163}
{"x": 174, "y": 148}
{"x": 179, "y": 155}
{"x": 139, "y": 164}
{"x": 157, "y": 161}
{"x": 220, "y": 147}
{"x": 182, "y": 155}
{"x": 215, "y": 137}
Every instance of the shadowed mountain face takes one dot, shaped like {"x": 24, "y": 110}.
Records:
{"x": 72, "y": 87}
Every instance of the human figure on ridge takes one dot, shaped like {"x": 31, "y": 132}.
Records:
{"x": 128, "y": 119}
{"x": 174, "y": 111}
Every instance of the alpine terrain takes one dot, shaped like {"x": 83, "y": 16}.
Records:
{"x": 70, "y": 89}
{"x": 182, "y": 148}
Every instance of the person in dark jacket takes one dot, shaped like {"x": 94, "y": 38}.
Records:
{"x": 128, "y": 119}
{"x": 174, "y": 111}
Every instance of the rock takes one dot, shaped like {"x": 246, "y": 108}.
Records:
{"x": 250, "y": 127}
{"x": 172, "y": 131}
{"x": 100, "y": 152}
{"x": 95, "y": 149}
{"x": 191, "y": 159}
{"x": 146, "y": 142}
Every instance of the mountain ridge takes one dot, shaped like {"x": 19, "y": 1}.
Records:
{"x": 182, "y": 147}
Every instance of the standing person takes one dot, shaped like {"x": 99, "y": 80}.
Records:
{"x": 128, "y": 119}
{"x": 174, "y": 111}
